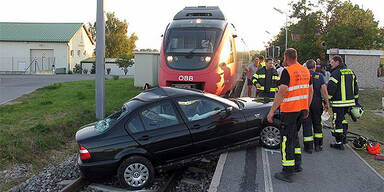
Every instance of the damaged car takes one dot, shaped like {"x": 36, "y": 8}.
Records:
{"x": 164, "y": 127}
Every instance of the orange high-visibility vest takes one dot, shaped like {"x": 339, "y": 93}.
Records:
{"x": 296, "y": 99}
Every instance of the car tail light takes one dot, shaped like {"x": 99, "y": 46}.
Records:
{"x": 84, "y": 154}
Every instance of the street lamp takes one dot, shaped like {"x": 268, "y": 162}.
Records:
{"x": 286, "y": 23}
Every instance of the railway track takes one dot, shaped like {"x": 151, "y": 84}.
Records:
{"x": 168, "y": 186}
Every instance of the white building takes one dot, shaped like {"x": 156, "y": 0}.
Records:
{"x": 363, "y": 62}
{"x": 43, "y": 47}
{"x": 110, "y": 64}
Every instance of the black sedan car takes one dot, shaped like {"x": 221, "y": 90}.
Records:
{"x": 165, "y": 126}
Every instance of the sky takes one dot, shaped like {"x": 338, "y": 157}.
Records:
{"x": 149, "y": 18}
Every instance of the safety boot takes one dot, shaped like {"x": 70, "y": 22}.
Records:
{"x": 345, "y": 141}
{"x": 318, "y": 145}
{"x": 339, "y": 146}
{"x": 308, "y": 147}
{"x": 318, "y": 148}
{"x": 298, "y": 168}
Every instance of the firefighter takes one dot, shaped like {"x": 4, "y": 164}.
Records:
{"x": 315, "y": 111}
{"x": 294, "y": 97}
{"x": 261, "y": 60}
{"x": 266, "y": 79}
{"x": 343, "y": 94}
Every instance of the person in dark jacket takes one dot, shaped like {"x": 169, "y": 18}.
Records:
{"x": 315, "y": 110}
{"x": 343, "y": 93}
{"x": 266, "y": 80}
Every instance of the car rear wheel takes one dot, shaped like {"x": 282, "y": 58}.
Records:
{"x": 270, "y": 137}
{"x": 136, "y": 172}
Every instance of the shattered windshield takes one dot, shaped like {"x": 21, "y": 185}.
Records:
{"x": 103, "y": 125}
{"x": 108, "y": 122}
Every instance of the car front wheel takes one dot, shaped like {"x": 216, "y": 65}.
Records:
{"x": 136, "y": 172}
{"x": 270, "y": 136}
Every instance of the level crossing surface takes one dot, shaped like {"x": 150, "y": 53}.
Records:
{"x": 329, "y": 170}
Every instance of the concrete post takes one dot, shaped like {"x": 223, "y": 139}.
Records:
{"x": 100, "y": 61}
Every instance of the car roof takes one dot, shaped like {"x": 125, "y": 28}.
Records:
{"x": 163, "y": 92}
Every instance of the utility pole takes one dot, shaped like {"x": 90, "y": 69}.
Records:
{"x": 286, "y": 31}
{"x": 100, "y": 60}
{"x": 286, "y": 25}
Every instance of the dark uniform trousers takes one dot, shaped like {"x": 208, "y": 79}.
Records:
{"x": 340, "y": 125}
{"x": 290, "y": 146}
{"x": 313, "y": 121}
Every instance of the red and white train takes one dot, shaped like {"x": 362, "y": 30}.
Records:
{"x": 201, "y": 50}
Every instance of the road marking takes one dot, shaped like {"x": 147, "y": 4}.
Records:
{"x": 267, "y": 172}
{"x": 218, "y": 172}
{"x": 272, "y": 151}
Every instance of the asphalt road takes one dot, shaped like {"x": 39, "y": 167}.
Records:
{"x": 329, "y": 170}
{"x": 14, "y": 86}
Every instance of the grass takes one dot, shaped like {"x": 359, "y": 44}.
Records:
{"x": 42, "y": 124}
{"x": 370, "y": 125}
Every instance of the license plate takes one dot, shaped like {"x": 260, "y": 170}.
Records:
{"x": 185, "y": 86}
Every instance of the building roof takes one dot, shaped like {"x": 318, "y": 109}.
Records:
{"x": 39, "y": 32}
{"x": 355, "y": 52}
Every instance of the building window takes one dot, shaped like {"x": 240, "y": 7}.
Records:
{"x": 85, "y": 53}
{"x": 78, "y": 53}
{"x": 72, "y": 53}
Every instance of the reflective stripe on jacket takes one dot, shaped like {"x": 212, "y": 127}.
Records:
{"x": 342, "y": 87}
{"x": 259, "y": 77}
{"x": 296, "y": 98}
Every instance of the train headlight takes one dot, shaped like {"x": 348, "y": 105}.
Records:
{"x": 207, "y": 59}
{"x": 169, "y": 58}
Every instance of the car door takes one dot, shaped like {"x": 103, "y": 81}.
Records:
{"x": 209, "y": 122}
{"x": 159, "y": 129}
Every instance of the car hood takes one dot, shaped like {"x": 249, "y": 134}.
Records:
{"x": 87, "y": 131}
{"x": 251, "y": 103}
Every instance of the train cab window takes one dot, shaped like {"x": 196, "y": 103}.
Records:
{"x": 197, "y": 40}
{"x": 188, "y": 47}
{"x": 159, "y": 115}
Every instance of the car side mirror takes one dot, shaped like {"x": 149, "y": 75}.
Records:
{"x": 228, "y": 111}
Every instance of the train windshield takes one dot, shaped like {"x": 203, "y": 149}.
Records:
{"x": 190, "y": 46}
{"x": 195, "y": 40}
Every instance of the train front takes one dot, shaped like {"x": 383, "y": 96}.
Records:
{"x": 198, "y": 53}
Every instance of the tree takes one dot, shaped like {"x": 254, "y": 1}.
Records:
{"x": 92, "y": 30}
{"x": 77, "y": 69}
{"x": 329, "y": 24}
{"x": 125, "y": 61}
{"x": 351, "y": 27}
{"x": 116, "y": 40}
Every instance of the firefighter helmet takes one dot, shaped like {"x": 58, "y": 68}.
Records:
{"x": 357, "y": 112}
{"x": 373, "y": 148}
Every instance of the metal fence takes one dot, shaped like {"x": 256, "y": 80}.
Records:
{"x": 26, "y": 65}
